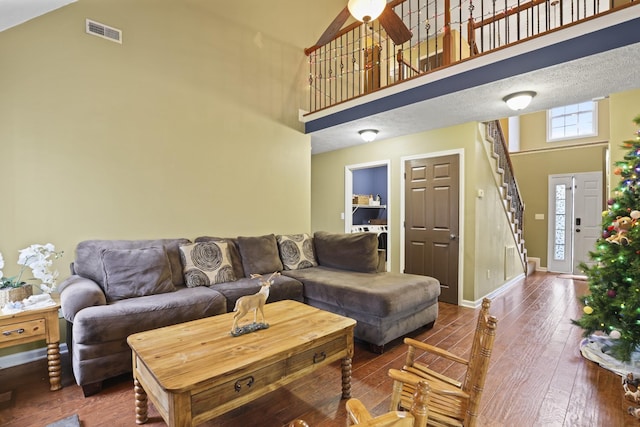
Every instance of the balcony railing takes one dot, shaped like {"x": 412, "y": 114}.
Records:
{"x": 362, "y": 58}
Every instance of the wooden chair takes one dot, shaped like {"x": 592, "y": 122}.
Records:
{"x": 450, "y": 402}
{"x": 416, "y": 417}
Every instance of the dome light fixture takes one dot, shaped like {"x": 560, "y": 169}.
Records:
{"x": 368, "y": 135}
{"x": 519, "y": 100}
{"x": 366, "y": 10}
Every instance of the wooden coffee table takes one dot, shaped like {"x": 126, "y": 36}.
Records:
{"x": 195, "y": 371}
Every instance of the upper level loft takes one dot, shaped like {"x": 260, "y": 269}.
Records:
{"x": 417, "y": 37}
{"x": 569, "y": 51}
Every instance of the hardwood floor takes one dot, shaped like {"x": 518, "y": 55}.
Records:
{"x": 537, "y": 376}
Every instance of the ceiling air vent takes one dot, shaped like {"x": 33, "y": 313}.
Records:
{"x": 104, "y": 31}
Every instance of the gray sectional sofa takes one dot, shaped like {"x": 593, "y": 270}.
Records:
{"x": 120, "y": 287}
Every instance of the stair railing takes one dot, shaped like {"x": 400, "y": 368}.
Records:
{"x": 494, "y": 131}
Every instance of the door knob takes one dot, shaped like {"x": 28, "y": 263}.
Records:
{"x": 577, "y": 230}
{"x": 452, "y": 236}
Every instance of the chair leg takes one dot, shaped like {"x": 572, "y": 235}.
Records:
{"x": 395, "y": 396}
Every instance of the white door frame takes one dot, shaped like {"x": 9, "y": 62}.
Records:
{"x": 348, "y": 194}
{"x": 461, "y": 187}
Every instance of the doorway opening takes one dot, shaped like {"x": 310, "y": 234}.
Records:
{"x": 367, "y": 208}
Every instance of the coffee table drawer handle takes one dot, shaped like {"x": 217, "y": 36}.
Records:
{"x": 249, "y": 380}
{"x": 19, "y": 331}
{"x": 319, "y": 357}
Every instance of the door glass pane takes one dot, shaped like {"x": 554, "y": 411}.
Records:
{"x": 560, "y": 221}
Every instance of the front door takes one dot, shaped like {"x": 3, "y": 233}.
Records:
{"x": 575, "y": 208}
{"x": 431, "y": 221}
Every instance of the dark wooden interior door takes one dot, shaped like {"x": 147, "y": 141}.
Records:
{"x": 431, "y": 223}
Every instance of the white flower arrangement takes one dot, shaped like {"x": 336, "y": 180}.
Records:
{"x": 39, "y": 258}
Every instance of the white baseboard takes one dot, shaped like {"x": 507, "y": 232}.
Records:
{"x": 493, "y": 294}
{"x": 28, "y": 356}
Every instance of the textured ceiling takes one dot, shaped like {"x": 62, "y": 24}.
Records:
{"x": 594, "y": 76}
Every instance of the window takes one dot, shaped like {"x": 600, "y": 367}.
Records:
{"x": 572, "y": 121}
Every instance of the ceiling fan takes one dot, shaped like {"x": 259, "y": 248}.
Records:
{"x": 367, "y": 11}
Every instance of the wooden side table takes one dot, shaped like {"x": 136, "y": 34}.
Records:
{"x": 34, "y": 325}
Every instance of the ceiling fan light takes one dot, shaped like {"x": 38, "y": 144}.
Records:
{"x": 519, "y": 100}
{"x": 368, "y": 135}
{"x": 366, "y": 10}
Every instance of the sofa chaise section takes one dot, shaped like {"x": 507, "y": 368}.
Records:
{"x": 385, "y": 305}
{"x": 347, "y": 280}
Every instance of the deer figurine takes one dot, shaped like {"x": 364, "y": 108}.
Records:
{"x": 253, "y": 302}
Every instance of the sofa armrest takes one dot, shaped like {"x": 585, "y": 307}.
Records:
{"x": 78, "y": 292}
{"x": 382, "y": 260}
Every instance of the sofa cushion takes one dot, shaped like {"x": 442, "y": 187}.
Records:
{"x": 130, "y": 273}
{"x": 234, "y": 253}
{"x": 115, "y": 322}
{"x": 88, "y": 262}
{"x": 347, "y": 251}
{"x": 296, "y": 251}
{"x": 206, "y": 263}
{"x": 259, "y": 254}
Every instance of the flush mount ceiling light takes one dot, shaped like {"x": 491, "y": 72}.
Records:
{"x": 519, "y": 100}
{"x": 366, "y": 10}
{"x": 368, "y": 135}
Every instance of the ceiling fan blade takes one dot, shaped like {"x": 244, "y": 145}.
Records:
{"x": 334, "y": 27}
{"x": 394, "y": 26}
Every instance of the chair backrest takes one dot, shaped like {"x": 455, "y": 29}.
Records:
{"x": 479, "y": 358}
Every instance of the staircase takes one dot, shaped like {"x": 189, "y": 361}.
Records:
{"x": 506, "y": 181}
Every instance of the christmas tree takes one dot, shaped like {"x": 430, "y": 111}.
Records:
{"x": 613, "y": 305}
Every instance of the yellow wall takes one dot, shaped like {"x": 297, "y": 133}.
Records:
{"x": 189, "y": 127}
{"x": 482, "y": 224}
{"x": 625, "y": 106}
{"x": 492, "y": 230}
{"x": 533, "y": 130}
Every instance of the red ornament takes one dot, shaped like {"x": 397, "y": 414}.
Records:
{"x": 611, "y": 293}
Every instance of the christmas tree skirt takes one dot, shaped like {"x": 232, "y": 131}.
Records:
{"x": 596, "y": 348}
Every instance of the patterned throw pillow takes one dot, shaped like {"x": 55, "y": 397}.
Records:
{"x": 296, "y": 251}
{"x": 206, "y": 263}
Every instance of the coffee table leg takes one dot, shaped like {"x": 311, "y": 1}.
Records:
{"x": 53, "y": 362}
{"x": 346, "y": 378}
{"x": 141, "y": 402}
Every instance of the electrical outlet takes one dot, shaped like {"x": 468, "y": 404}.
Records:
{"x": 488, "y": 274}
